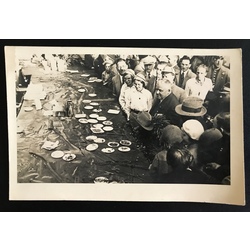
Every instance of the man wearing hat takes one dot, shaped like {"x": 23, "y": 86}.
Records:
{"x": 164, "y": 106}
{"x": 161, "y": 64}
{"x": 150, "y": 73}
{"x": 106, "y": 74}
{"x": 117, "y": 80}
{"x": 168, "y": 73}
{"x": 192, "y": 108}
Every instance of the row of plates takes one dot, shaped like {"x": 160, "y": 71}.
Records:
{"x": 94, "y": 146}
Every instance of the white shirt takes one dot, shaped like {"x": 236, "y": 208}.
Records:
{"x": 122, "y": 95}
{"x": 139, "y": 101}
{"x": 198, "y": 89}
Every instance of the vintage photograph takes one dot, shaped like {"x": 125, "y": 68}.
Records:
{"x": 155, "y": 123}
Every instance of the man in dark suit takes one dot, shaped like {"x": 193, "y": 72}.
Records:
{"x": 219, "y": 74}
{"x": 185, "y": 73}
{"x": 164, "y": 107}
{"x": 117, "y": 80}
{"x": 150, "y": 73}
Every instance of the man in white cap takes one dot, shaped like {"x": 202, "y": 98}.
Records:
{"x": 168, "y": 73}
{"x": 150, "y": 73}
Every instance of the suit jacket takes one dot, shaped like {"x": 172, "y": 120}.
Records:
{"x": 117, "y": 84}
{"x": 179, "y": 93}
{"x": 167, "y": 108}
{"x": 151, "y": 82}
{"x": 190, "y": 74}
{"x": 222, "y": 79}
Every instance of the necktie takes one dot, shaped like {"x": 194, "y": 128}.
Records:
{"x": 181, "y": 79}
{"x": 148, "y": 75}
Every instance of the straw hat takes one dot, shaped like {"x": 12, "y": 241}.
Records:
{"x": 191, "y": 106}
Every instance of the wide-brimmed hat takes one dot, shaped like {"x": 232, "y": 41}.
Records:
{"x": 171, "y": 134}
{"x": 144, "y": 119}
{"x": 140, "y": 77}
{"x": 191, "y": 106}
{"x": 168, "y": 69}
{"x": 193, "y": 129}
{"x": 149, "y": 60}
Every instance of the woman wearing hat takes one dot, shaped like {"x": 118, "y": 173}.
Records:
{"x": 128, "y": 83}
{"x": 137, "y": 98}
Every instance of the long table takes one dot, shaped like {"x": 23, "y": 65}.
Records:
{"x": 35, "y": 164}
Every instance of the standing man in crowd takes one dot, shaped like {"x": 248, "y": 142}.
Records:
{"x": 168, "y": 73}
{"x": 117, "y": 80}
{"x": 185, "y": 73}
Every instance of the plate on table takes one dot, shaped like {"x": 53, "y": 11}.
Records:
{"x": 101, "y": 179}
{"x": 92, "y": 95}
{"x": 99, "y": 140}
{"x": 92, "y": 147}
{"x": 80, "y": 115}
{"x": 88, "y": 107}
{"x": 98, "y": 125}
{"x": 97, "y": 110}
{"x": 113, "y": 111}
{"x": 125, "y": 142}
{"x": 107, "y": 123}
{"x": 107, "y": 128}
{"x": 108, "y": 150}
{"x": 86, "y": 101}
{"x": 101, "y": 118}
{"x": 113, "y": 144}
{"x": 91, "y": 137}
{"x": 81, "y": 90}
{"x": 93, "y": 115}
{"x": 85, "y": 75}
{"x": 57, "y": 154}
{"x": 69, "y": 157}
{"x": 96, "y": 130}
{"x": 92, "y": 121}
{"x": 94, "y": 103}
{"x": 83, "y": 121}
{"x": 28, "y": 109}
{"x": 124, "y": 149}
{"x": 98, "y": 80}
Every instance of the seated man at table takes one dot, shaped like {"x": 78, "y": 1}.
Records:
{"x": 164, "y": 106}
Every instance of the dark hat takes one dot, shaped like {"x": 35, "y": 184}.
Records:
{"x": 171, "y": 134}
{"x": 191, "y": 106}
{"x": 222, "y": 122}
{"x": 210, "y": 136}
{"x": 144, "y": 119}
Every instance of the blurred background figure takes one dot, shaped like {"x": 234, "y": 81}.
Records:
{"x": 106, "y": 74}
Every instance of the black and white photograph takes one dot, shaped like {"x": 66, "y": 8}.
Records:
{"x": 125, "y": 124}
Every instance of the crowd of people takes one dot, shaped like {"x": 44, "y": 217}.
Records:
{"x": 184, "y": 103}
